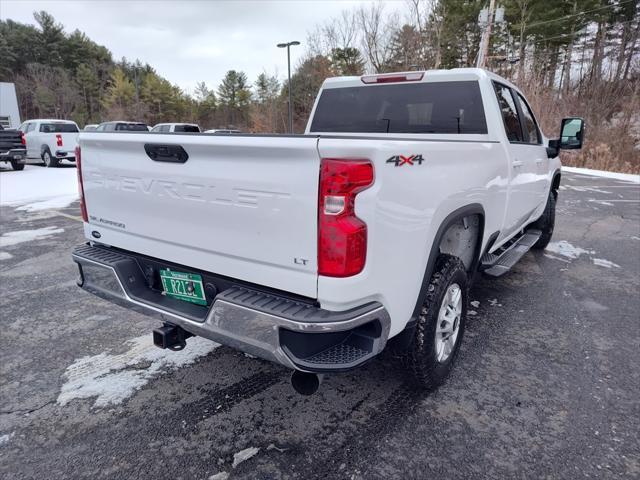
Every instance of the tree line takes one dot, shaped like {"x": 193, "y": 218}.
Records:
{"x": 61, "y": 75}
{"x": 571, "y": 57}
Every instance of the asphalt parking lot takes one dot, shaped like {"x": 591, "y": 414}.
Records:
{"x": 547, "y": 384}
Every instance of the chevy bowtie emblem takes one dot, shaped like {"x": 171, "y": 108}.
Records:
{"x": 400, "y": 160}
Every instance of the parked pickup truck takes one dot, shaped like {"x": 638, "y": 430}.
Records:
{"x": 50, "y": 140}
{"x": 317, "y": 251}
{"x": 12, "y": 148}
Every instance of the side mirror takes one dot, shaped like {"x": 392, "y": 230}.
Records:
{"x": 571, "y": 136}
{"x": 571, "y": 133}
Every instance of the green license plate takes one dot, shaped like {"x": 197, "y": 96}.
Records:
{"x": 183, "y": 286}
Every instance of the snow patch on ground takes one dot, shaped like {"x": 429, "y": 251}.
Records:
{"x": 587, "y": 189}
{"x": 5, "y": 256}
{"x": 36, "y": 184}
{"x": 556, "y": 258}
{"x": 601, "y": 262}
{"x": 600, "y": 202}
{"x": 112, "y": 378}
{"x": 5, "y": 438}
{"x": 20, "y": 236}
{"x": 219, "y": 476}
{"x": 475, "y": 303}
{"x": 243, "y": 455}
{"x": 567, "y": 250}
{"x": 627, "y": 177}
{"x": 62, "y": 201}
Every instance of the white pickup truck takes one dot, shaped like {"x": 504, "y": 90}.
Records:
{"x": 50, "y": 140}
{"x": 316, "y": 250}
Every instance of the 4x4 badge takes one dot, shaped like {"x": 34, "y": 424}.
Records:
{"x": 400, "y": 160}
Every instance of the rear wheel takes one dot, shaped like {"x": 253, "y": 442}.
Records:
{"x": 16, "y": 165}
{"x": 48, "y": 159}
{"x": 546, "y": 223}
{"x": 440, "y": 325}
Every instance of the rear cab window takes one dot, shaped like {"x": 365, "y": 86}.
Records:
{"x": 58, "y": 128}
{"x": 187, "y": 128}
{"x": 425, "y": 107}
{"x": 131, "y": 127}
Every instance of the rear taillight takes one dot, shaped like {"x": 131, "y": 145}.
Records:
{"x": 83, "y": 205}
{"x": 59, "y": 140}
{"x": 393, "y": 77}
{"x": 342, "y": 237}
{"x": 23, "y": 140}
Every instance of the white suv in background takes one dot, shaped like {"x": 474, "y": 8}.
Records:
{"x": 51, "y": 140}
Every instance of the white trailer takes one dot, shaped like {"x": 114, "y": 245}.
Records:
{"x": 9, "y": 113}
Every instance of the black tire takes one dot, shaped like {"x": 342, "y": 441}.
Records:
{"x": 48, "y": 159}
{"x": 545, "y": 223}
{"x": 421, "y": 357}
{"x": 16, "y": 165}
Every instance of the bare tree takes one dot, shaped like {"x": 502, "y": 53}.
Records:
{"x": 377, "y": 29}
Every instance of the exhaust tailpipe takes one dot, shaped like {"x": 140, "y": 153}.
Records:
{"x": 305, "y": 383}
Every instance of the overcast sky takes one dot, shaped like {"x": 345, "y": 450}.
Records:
{"x": 190, "y": 41}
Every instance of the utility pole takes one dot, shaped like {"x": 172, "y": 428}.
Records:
{"x": 486, "y": 37}
{"x": 288, "y": 45}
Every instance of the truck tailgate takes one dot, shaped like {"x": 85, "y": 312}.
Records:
{"x": 240, "y": 206}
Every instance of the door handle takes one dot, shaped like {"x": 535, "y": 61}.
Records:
{"x": 539, "y": 161}
{"x": 517, "y": 163}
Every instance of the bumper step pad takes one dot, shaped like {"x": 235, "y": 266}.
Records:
{"x": 338, "y": 354}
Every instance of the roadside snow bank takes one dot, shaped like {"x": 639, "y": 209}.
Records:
{"x": 38, "y": 188}
{"x": 112, "y": 378}
{"x": 627, "y": 177}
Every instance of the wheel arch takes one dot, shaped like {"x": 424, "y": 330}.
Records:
{"x": 402, "y": 339}
{"x": 450, "y": 221}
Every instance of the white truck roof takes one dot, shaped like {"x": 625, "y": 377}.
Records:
{"x": 50, "y": 120}
{"x": 428, "y": 76}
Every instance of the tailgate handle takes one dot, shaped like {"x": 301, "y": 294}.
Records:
{"x": 166, "y": 153}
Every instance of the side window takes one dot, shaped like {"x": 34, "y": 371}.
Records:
{"x": 529, "y": 121}
{"x": 165, "y": 128}
{"x": 509, "y": 113}
{"x": 156, "y": 128}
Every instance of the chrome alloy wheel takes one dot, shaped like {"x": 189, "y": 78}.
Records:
{"x": 448, "y": 322}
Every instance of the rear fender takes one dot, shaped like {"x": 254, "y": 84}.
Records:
{"x": 449, "y": 221}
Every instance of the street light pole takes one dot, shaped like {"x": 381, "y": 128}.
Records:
{"x": 288, "y": 45}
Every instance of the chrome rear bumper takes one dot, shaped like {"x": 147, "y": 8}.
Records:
{"x": 297, "y": 334}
